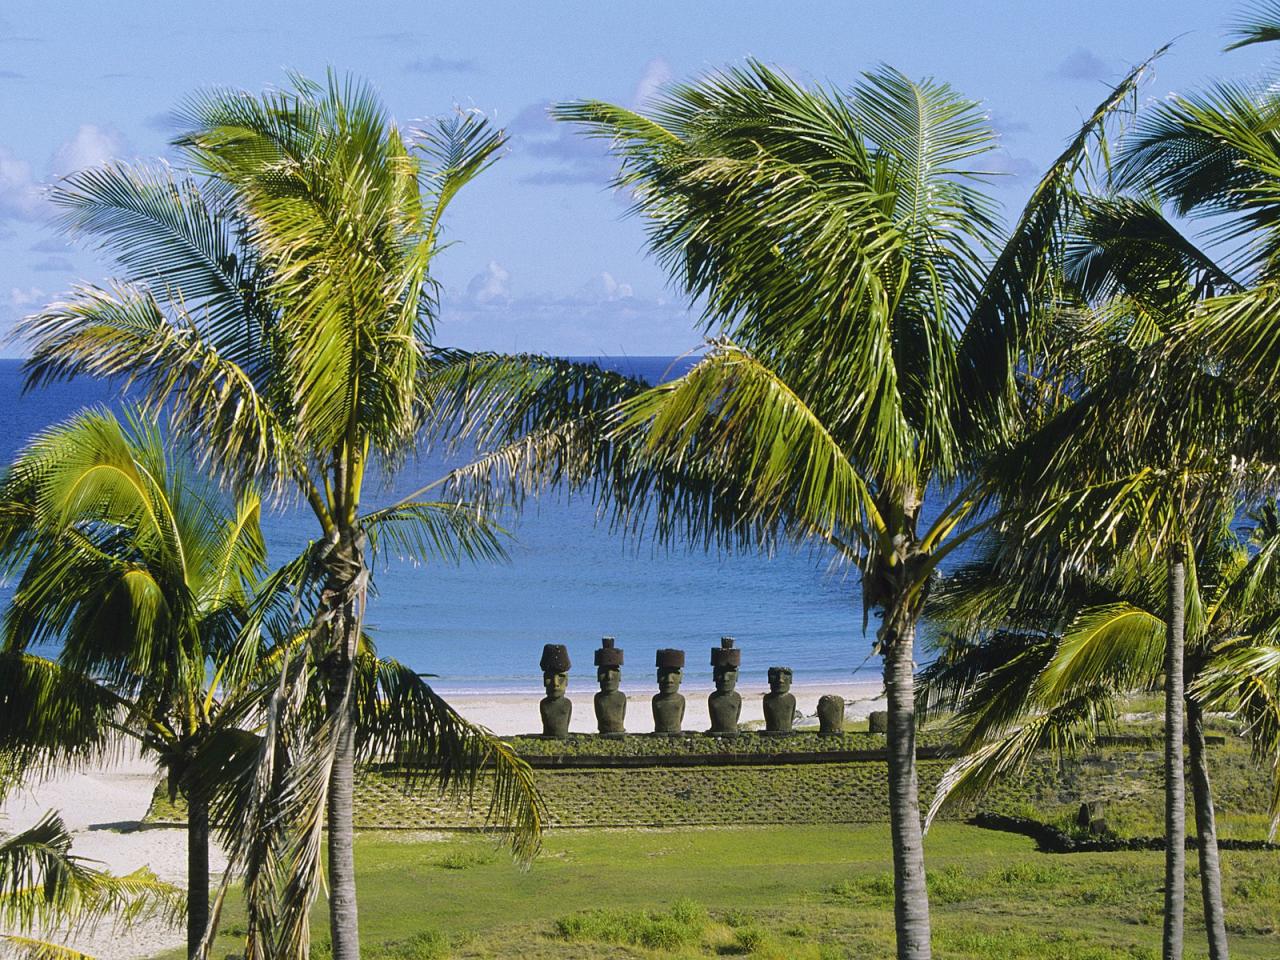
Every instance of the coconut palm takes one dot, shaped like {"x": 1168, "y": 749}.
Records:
{"x": 43, "y": 886}
{"x": 868, "y": 318}
{"x": 127, "y": 565}
{"x": 1139, "y": 449}
{"x": 277, "y": 302}
{"x": 1022, "y": 671}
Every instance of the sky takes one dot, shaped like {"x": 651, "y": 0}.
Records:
{"x": 542, "y": 254}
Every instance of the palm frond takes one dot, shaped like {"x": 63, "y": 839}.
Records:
{"x": 425, "y": 531}
{"x": 1021, "y": 282}
{"x": 52, "y": 718}
{"x": 178, "y": 241}
{"x": 43, "y": 884}
{"x": 733, "y": 416}
{"x": 1258, "y": 23}
{"x": 1119, "y": 646}
{"x": 1062, "y": 729}
{"x": 400, "y": 720}
{"x": 123, "y": 334}
{"x": 33, "y": 948}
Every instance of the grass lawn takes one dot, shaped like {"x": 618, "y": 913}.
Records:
{"x": 775, "y": 892}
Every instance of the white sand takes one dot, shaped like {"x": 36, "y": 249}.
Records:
{"x": 507, "y": 714}
{"x": 104, "y": 807}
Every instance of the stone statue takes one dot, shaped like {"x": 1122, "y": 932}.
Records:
{"x": 668, "y": 705}
{"x": 611, "y": 703}
{"x": 725, "y": 704}
{"x": 878, "y": 721}
{"x": 779, "y": 702}
{"x": 831, "y": 715}
{"x": 556, "y": 708}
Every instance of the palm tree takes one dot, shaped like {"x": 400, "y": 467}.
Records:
{"x": 868, "y": 320}
{"x": 277, "y": 302}
{"x": 1022, "y": 671}
{"x": 44, "y": 886}
{"x": 130, "y": 568}
{"x": 1139, "y": 450}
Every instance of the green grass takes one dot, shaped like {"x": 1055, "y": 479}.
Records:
{"x": 796, "y": 892}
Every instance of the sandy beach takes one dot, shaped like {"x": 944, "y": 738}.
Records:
{"x": 104, "y": 808}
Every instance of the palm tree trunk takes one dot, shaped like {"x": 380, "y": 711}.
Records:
{"x": 344, "y": 923}
{"x": 910, "y": 895}
{"x": 343, "y": 596}
{"x": 1215, "y": 923}
{"x": 1175, "y": 800}
{"x": 197, "y": 868}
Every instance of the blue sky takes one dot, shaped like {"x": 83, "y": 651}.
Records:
{"x": 544, "y": 259}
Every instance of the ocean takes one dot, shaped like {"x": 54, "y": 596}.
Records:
{"x": 480, "y": 628}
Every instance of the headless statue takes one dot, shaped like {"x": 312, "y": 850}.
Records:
{"x": 831, "y": 715}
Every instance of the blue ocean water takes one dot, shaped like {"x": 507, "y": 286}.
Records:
{"x": 482, "y": 627}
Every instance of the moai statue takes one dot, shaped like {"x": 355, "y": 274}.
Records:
{"x": 556, "y": 708}
{"x": 668, "y": 704}
{"x": 831, "y": 715}
{"x": 878, "y": 721}
{"x": 611, "y": 703}
{"x": 779, "y": 702}
{"x": 725, "y": 704}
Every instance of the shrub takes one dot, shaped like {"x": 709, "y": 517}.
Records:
{"x": 751, "y": 939}
{"x": 682, "y": 924}
{"x": 877, "y": 887}
{"x": 462, "y": 859}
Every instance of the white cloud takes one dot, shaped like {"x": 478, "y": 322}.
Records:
{"x": 491, "y": 286}
{"x": 19, "y": 192}
{"x": 603, "y": 317}
{"x": 92, "y": 146}
{"x": 603, "y": 288}
{"x": 22, "y": 299}
{"x": 656, "y": 73}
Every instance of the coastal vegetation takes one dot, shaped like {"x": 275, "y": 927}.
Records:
{"x": 1081, "y": 406}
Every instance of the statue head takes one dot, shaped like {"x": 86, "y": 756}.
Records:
{"x": 726, "y": 678}
{"x": 555, "y": 669}
{"x": 779, "y": 679}
{"x": 609, "y": 665}
{"x": 725, "y": 661}
{"x": 670, "y": 670}
{"x": 556, "y": 684}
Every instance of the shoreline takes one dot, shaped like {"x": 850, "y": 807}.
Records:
{"x": 513, "y": 713}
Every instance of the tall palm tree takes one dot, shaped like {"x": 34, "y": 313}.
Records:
{"x": 1022, "y": 671}
{"x": 129, "y": 567}
{"x": 277, "y": 302}
{"x": 1139, "y": 450}
{"x": 868, "y": 319}
{"x": 44, "y": 886}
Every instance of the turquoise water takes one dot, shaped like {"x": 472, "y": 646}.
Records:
{"x": 568, "y": 581}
